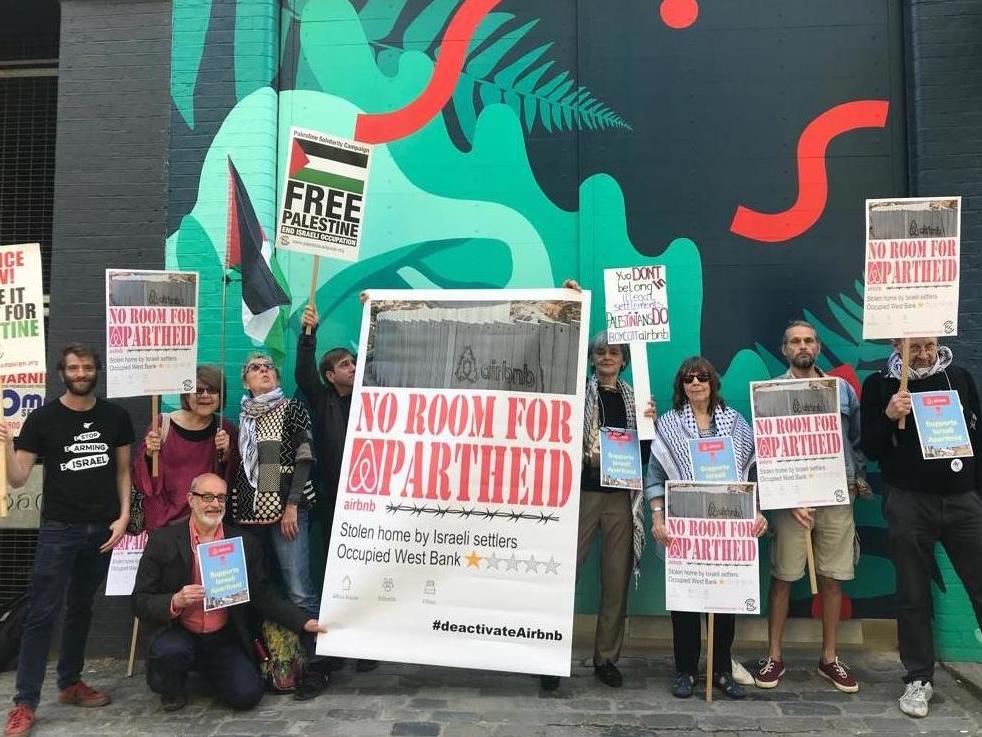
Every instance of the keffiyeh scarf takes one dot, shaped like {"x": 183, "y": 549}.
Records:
{"x": 252, "y": 409}
{"x": 675, "y": 429}
{"x": 943, "y": 361}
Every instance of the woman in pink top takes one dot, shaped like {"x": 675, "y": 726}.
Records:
{"x": 190, "y": 443}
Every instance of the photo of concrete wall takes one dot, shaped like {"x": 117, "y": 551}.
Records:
{"x": 152, "y": 289}
{"x": 694, "y": 500}
{"x": 781, "y": 398}
{"x": 906, "y": 219}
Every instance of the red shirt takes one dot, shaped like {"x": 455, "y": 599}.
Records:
{"x": 194, "y": 618}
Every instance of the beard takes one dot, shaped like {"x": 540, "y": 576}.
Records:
{"x": 80, "y": 387}
{"x": 802, "y": 361}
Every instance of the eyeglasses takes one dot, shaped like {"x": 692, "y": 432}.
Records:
{"x": 345, "y": 362}
{"x": 203, "y": 390}
{"x": 209, "y": 498}
{"x": 259, "y": 366}
{"x": 703, "y": 376}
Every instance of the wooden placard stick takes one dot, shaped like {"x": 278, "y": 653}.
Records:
{"x": 904, "y": 364}
{"x": 155, "y": 424}
{"x": 710, "y": 625}
{"x": 136, "y": 632}
{"x": 3, "y": 465}
{"x": 810, "y": 556}
{"x": 312, "y": 300}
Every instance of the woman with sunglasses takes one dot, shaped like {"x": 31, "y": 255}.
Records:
{"x": 189, "y": 442}
{"x": 698, "y": 411}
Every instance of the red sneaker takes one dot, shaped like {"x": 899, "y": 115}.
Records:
{"x": 79, "y": 694}
{"x": 768, "y": 672}
{"x": 837, "y": 672}
{"x": 20, "y": 720}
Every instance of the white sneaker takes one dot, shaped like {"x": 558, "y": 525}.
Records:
{"x": 914, "y": 702}
{"x": 740, "y": 674}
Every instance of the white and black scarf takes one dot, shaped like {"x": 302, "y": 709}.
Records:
{"x": 676, "y": 428}
{"x": 943, "y": 361}
{"x": 252, "y": 409}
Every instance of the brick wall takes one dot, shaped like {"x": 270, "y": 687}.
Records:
{"x": 110, "y": 187}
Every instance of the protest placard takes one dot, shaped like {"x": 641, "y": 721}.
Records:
{"x": 913, "y": 248}
{"x": 324, "y": 188}
{"x": 798, "y": 438}
{"x": 636, "y": 301}
{"x": 23, "y": 392}
{"x": 712, "y": 563}
{"x": 151, "y": 332}
{"x": 454, "y": 538}
{"x": 713, "y": 459}
{"x": 222, "y": 565}
{"x": 941, "y": 425}
{"x": 123, "y": 564}
{"x": 21, "y": 309}
{"x": 620, "y": 459}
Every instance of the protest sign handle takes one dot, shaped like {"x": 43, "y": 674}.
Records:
{"x": 136, "y": 631}
{"x": 312, "y": 300}
{"x": 710, "y": 625}
{"x": 3, "y": 469}
{"x": 904, "y": 363}
{"x": 154, "y": 423}
{"x": 810, "y": 556}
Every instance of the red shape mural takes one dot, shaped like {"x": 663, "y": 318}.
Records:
{"x": 812, "y": 178}
{"x": 679, "y": 14}
{"x": 391, "y": 126}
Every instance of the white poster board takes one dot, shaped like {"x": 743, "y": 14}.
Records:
{"x": 124, "y": 563}
{"x": 712, "y": 562}
{"x": 454, "y": 538}
{"x": 913, "y": 252}
{"x": 798, "y": 439}
{"x": 151, "y": 332}
{"x": 324, "y": 186}
{"x": 636, "y": 302}
{"x": 21, "y": 309}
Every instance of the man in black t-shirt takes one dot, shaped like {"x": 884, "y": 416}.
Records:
{"x": 925, "y": 500}
{"x": 85, "y": 446}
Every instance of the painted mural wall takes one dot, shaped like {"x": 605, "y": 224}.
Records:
{"x": 524, "y": 142}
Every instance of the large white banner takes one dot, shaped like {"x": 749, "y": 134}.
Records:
{"x": 712, "y": 562}
{"x": 21, "y": 309}
{"x": 798, "y": 437}
{"x": 323, "y": 195}
{"x": 913, "y": 249}
{"x": 151, "y": 332}
{"x": 454, "y": 539}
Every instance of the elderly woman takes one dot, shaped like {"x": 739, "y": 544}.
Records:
{"x": 272, "y": 490}
{"x": 616, "y": 513}
{"x": 698, "y": 411}
{"x": 189, "y": 442}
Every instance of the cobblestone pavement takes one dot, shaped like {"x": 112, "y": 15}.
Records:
{"x": 445, "y": 702}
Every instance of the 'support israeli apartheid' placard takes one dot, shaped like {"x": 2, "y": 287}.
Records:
{"x": 454, "y": 538}
{"x": 21, "y": 309}
{"x": 636, "y": 302}
{"x": 798, "y": 438}
{"x": 712, "y": 562}
{"x": 913, "y": 249}
{"x": 151, "y": 332}
{"x": 323, "y": 195}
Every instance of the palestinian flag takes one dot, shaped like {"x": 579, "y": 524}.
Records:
{"x": 249, "y": 251}
{"x": 328, "y": 166}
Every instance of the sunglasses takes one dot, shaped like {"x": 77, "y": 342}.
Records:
{"x": 703, "y": 376}
{"x": 209, "y": 498}
{"x": 259, "y": 366}
{"x": 202, "y": 391}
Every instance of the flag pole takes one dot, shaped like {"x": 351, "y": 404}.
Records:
{"x": 221, "y": 345}
{"x": 312, "y": 300}
{"x": 904, "y": 363}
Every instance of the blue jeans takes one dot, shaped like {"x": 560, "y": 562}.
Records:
{"x": 293, "y": 557}
{"x": 67, "y": 558}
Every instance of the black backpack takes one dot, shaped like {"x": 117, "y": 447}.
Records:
{"x": 11, "y": 625}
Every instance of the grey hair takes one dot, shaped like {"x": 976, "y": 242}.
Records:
{"x": 599, "y": 341}
{"x": 799, "y": 324}
{"x": 196, "y": 481}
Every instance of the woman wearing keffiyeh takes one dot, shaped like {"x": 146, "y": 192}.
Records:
{"x": 697, "y": 411}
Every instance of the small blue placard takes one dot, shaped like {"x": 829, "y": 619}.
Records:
{"x": 713, "y": 459}
{"x": 223, "y": 573}
{"x": 941, "y": 425}
{"x": 620, "y": 459}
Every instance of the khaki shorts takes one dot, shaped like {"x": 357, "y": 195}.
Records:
{"x": 833, "y": 540}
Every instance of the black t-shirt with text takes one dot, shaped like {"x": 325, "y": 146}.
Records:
{"x": 79, "y": 453}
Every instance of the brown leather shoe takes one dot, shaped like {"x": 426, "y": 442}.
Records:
{"x": 79, "y": 694}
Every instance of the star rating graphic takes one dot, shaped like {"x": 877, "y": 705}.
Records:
{"x": 473, "y": 560}
{"x": 512, "y": 563}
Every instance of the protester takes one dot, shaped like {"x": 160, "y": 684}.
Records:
{"x": 330, "y": 401}
{"x": 217, "y": 643}
{"x": 189, "y": 442}
{"x": 832, "y": 528}
{"x": 698, "y": 411}
{"x": 273, "y": 492}
{"x": 84, "y": 442}
{"x": 924, "y": 501}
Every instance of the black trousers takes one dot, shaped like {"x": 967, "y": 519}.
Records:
{"x": 687, "y": 640}
{"x": 218, "y": 657}
{"x": 916, "y": 521}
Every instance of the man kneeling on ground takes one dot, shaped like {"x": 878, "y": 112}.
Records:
{"x": 217, "y": 643}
